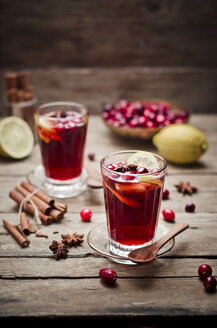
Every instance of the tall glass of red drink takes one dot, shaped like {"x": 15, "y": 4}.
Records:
{"x": 133, "y": 184}
{"x": 61, "y": 129}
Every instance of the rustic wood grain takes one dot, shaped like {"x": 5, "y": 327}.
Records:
{"x": 88, "y": 267}
{"x": 153, "y": 296}
{"x": 95, "y": 33}
{"x": 189, "y": 243}
{"x": 35, "y": 285}
{"x": 194, "y": 88}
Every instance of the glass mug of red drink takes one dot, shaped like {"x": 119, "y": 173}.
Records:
{"x": 133, "y": 185}
{"x": 61, "y": 129}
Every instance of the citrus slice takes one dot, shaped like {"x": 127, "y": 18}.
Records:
{"x": 45, "y": 123}
{"x": 144, "y": 159}
{"x": 16, "y": 138}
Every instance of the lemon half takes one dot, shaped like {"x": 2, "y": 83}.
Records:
{"x": 16, "y": 138}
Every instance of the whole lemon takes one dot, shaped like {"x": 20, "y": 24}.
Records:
{"x": 180, "y": 143}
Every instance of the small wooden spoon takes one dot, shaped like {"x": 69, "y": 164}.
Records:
{"x": 148, "y": 253}
{"x": 94, "y": 179}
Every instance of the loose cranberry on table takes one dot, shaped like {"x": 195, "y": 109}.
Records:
{"x": 108, "y": 276}
{"x": 168, "y": 215}
{"x": 210, "y": 283}
{"x": 166, "y": 194}
{"x": 204, "y": 271}
{"x": 91, "y": 156}
{"x": 86, "y": 214}
{"x": 190, "y": 208}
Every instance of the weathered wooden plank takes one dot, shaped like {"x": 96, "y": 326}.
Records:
{"x": 101, "y": 9}
{"x": 110, "y": 142}
{"x": 199, "y": 240}
{"x": 150, "y": 33}
{"x": 20, "y": 268}
{"x": 96, "y": 86}
{"x": 71, "y": 297}
{"x": 204, "y": 199}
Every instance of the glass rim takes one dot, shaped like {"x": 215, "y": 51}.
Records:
{"x": 134, "y": 151}
{"x": 83, "y": 110}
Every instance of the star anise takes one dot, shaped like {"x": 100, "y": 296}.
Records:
{"x": 74, "y": 239}
{"x": 59, "y": 249}
{"x": 185, "y": 188}
{"x": 124, "y": 168}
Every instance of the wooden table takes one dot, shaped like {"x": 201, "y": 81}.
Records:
{"x": 166, "y": 291}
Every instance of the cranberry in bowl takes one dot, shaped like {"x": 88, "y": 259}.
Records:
{"x": 142, "y": 119}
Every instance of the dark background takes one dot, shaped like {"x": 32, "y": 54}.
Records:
{"x": 96, "y": 51}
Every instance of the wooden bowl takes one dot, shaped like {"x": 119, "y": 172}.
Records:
{"x": 144, "y": 133}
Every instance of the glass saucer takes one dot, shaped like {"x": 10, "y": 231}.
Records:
{"x": 57, "y": 188}
{"x": 97, "y": 239}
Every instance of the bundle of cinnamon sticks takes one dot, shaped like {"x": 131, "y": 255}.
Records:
{"x": 18, "y": 88}
{"x": 49, "y": 209}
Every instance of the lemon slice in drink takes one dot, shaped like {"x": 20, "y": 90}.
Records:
{"x": 45, "y": 123}
{"x": 16, "y": 138}
{"x": 145, "y": 159}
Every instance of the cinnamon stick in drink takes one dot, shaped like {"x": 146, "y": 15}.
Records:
{"x": 23, "y": 241}
{"x": 42, "y": 206}
{"x": 18, "y": 198}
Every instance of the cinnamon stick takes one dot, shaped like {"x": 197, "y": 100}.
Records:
{"x": 11, "y": 95}
{"x": 56, "y": 214}
{"x": 10, "y": 80}
{"x": 22, "y": 80}
{"x": 60, "y": 206}
{"x": 23, "y": 241}
{"x": 26, "y": 226}
{"x": 39, "y": 194}
{"x": 42, "y": 206}
{"x": 29, "y": 208}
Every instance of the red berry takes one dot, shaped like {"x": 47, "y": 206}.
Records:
{"x": 91, "y": 156}
{"x": 166, "y": 194}
{"x": 190, "y": 208}
{"x": 210, "y": 283}
{"x": 86, "y": 214}
{"x": 127, "y": 176}
{"x": 108, "y": 276}
{"x": 204, "y": 271}
{"x": 110, "y": 167}
{"x": 141, "y": 170}
{"x": 168, "y": 215}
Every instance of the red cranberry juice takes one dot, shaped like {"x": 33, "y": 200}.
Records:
{"x": 132, "y": 210}
{"x": 62, "y": 142}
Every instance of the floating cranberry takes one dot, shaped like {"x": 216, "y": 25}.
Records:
{"x": 210, "y": 283}
{"x": 204, "y": 271}
{"x": 166, "y": 194}
{"x": 127, "y": 176}
{"x": 110, "y": 167}
{"x": 108, "y": 276}
{"x": 141, "y": 170}
{"x": 168, "y": 215}
{"x": 91, "y": 156}
{"x": 190, "y": 208}
{"x": 86, "y": 214}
